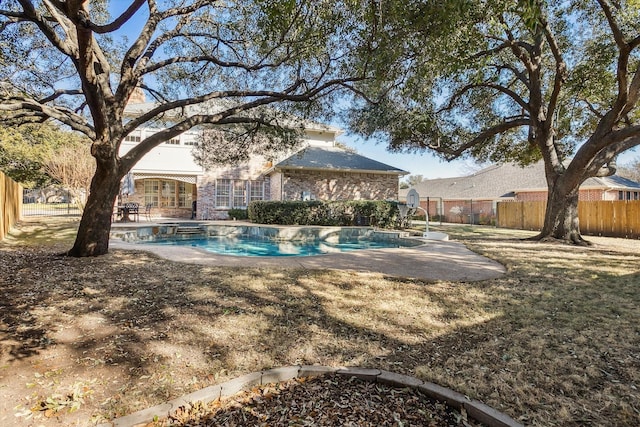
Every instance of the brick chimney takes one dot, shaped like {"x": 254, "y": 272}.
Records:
{"x": 137, "y": 96}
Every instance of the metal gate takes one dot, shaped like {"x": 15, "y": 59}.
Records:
{"x": 48, "y": 201}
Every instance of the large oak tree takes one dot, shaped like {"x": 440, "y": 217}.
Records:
{"x": 219, "y": 60}
{"x": 513, "y": 80}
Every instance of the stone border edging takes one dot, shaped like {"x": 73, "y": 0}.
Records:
{"x": 475, "y": 409}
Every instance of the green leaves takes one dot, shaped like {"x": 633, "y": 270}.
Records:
{"x": 25, "y": 150}
{"x": 506, "y": 80}
{"x": 531, "y": 13}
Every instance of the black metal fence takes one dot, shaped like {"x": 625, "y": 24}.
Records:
{"x": 49, "y": 201}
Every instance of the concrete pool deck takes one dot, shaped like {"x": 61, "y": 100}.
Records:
{"x": 434, "y": 260}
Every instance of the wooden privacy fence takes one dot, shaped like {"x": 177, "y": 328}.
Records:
{"x": 613, "y": 218}
{"x": 10, "y": 204}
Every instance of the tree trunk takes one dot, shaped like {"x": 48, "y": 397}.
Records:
{"x": 95, "y": 226}
{"x": 561, "y": 216}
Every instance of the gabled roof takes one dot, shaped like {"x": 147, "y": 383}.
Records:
{"x": 613, "y": 182}
{"x": 335, "y": 159}
{"x": 504, "y": 181}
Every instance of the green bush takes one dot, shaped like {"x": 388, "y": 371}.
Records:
{"x": 239, "y": 214}
{"x": 383, "y": 214}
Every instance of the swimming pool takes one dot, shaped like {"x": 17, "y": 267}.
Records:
{"x": 255, "y": 246}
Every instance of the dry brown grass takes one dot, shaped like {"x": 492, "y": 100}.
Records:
{"x": 554, "y": 342}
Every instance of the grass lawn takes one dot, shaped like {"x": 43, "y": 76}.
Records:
{"x": 556, "y": 341}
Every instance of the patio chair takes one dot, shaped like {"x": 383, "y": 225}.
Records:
{"x": 116, "y": 214}
{"x": 133, "y": 210}
{"x": 147, "y": 211}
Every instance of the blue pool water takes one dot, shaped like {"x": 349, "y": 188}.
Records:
{"x": 256, "y": 246}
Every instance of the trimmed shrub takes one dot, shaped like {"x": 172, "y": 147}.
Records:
{"x": 383, "y": 214}
{"x": 239, "y": 214}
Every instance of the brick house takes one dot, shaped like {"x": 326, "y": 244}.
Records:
{"x": 168, "y": 179}
{"x": 330, "y": 173}
{"x": 473, "y": 198}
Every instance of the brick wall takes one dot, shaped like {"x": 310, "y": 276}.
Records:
{"x": 276, "y": 186}
{"x": 292, "y": 184}
{"x": 206, "y": 196}
{"x": 586, "y": 195}
{"x": 531, "y": 196}
{"x": 339, "y": 185}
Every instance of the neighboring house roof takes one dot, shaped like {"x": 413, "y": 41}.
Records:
{"x": 334, "y": 159}
{"x": 504, "y": 181}
{"x": 613, "y": 182}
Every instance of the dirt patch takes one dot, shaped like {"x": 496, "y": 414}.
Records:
{"x": 554, "y": 342}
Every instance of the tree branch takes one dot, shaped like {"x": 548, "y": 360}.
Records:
{"x": 592, "y": 108}
{"x": 482, "y": 137}
{"x": 522, "y": 51}
{"x": 621, "y": 106}
{"x": 118, "y": 22}
{"x": 27, "y": 108}
{"x": 58, "y": 93}
{"x": 32, "y": 15}
{"x": 487, "y": 85}
{"x": 610, "y": 153}
{"x": 206, "y": 58}
{"x": 618, "y": 36}
{"x": 128, "y": 77}
{"x": 490, "y": 52}
{"x": 517, "y": 73}
{"x": 560, "y": 76}
{"x": 265, "y": 97}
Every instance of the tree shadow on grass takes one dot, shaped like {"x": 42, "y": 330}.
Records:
{"x": 536, "y": 343}
{"x": 44, "y": 231}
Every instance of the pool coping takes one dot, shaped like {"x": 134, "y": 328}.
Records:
{"x": 474, "y": 408}
{"x": 433, "y": 260}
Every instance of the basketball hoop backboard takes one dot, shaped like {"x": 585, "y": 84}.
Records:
{"x": 413, "y": 199}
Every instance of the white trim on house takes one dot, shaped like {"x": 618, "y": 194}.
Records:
{"x": 190, "y": 179}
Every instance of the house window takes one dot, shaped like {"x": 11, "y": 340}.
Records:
{"x": 168, "y": 194}
{"x": 239, "y": 194}
{"x": 620, "y": 195}
{"x": 223, "y": 193}
{"x": 256, "y": 191}
{"x": 132, "y": 138}
{"x": 185, "y": 194}
{"x": 173, "y": 141}
{"x": 151, "y": 190}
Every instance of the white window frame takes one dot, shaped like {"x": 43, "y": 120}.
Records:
{"x": 224, "y": 188}
{"x": 256, "y": 190}
{"x": 239, "y": 197}
{"x": 152, "y": 192}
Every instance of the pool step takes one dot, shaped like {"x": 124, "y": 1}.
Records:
{"x": 188, "y": 230}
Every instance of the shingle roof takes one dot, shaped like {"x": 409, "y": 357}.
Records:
{"x": 504, "y": 180}
{"x": 317, "y": 158}
{"x": 612, "y": 182}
